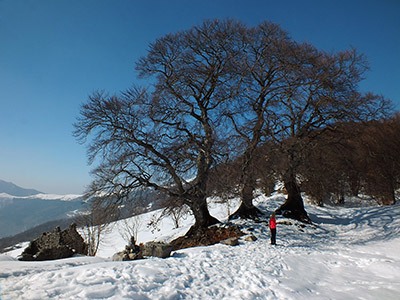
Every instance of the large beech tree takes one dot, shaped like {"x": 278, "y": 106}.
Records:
{"x": 290, "y": 92}
{"x": 206, "y": 86}
{"x": 168, "y": 136}
{"x": 322, "y": 89}
{"x": 264, "y": 69}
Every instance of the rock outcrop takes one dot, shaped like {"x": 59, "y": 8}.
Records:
{"x": 250, "y": 238}
{"x": 133, "y": 251}
{"x": 55, "y": 245}
{"x": 233, "y": 241}
{"x": 156, "y": 249}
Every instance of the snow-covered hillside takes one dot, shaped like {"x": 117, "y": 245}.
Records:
{"x": 349, "y": 253}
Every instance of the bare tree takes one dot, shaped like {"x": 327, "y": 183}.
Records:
{"x": 167, "y": 137}
{"x": 289, "y": 92}
{"x": 264, "y": 71}
{"x": 224, "y": 183}
{"x": 322, "y": 90}
{"x": 130, "y": 228}
{"x": 357, "y": 157}
{"x": 378, "y": 152}
{"x": 206, "y": 85}
{"x": 94, "y": 221}
{"x": 329, "y": 168}
{"x": 177, "y": 211}
{"x": 173, "y": 208}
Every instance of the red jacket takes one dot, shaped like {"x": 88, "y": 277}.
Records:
{"x": 272, "y": 223}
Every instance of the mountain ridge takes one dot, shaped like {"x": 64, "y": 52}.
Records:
{"x": 22, "y": 209}
{"x": 15, "y": 190}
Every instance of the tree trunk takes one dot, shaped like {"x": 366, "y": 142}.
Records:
{"x": 387, "y": 198}
{"x": 246, "y": 209}
{"x": 202, "y": 217}
{"x": 293, "y": 207}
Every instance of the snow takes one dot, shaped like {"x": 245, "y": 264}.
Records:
{"x": 6, "y": 196}
{"x": 69, "y": 197}
{"x": 349, "y": 253}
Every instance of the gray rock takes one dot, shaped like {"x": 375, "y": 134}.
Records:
{"x": 133, "y": 256}
{"x": 55, "y": 245}
{"x": 233, "y": 241}
{"x": 250, "y": 238}
{"x": 74, "y": 240}
{"x": 120, "y": 256}
{"x": 157, "y": 249}
{"x": 131, "y": 252}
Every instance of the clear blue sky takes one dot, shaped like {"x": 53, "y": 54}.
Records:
{"x": 54, "y": 53}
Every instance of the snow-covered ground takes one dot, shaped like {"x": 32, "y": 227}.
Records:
{"x": 349, "y": 253}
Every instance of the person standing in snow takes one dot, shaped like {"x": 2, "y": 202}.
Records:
{"x": 272, "y": 228}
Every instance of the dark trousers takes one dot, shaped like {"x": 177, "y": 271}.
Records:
{"x": 273, "y": 236}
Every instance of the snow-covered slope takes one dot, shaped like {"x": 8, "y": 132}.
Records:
{"x": 349, "y": 253}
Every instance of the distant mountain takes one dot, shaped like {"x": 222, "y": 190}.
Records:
{"x": 18, "y": 214}
{"x": 22, "y": 209}
{"x": 22, "y": 213}
{"x": 14, "y": 190}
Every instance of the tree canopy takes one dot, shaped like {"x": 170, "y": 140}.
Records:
{"x": 216, "y": 93}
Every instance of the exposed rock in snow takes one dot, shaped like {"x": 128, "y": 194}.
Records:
{"x": 157, "y": 249}
{"x": 55, "y": 245}
{"x": 234, "y": 241}
{"x": 250, "y": 238}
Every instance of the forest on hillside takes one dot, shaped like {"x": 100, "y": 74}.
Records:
{"x": 350, "y": 159}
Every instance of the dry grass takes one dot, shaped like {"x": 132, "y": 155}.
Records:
{"x": 209, "y": 236}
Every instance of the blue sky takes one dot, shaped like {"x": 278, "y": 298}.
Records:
{"x": 54, "y": 53}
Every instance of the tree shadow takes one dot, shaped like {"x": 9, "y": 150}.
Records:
{"x": 373, "y": 223}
